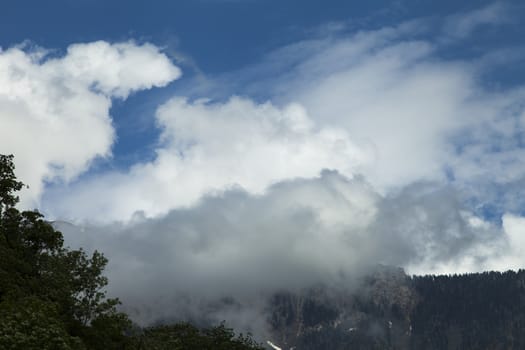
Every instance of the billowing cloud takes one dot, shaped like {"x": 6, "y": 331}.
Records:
{"x": 425, "y": 118}
{"x": 209, "y": 147}
{"x": 514, "y": 259}
{"x": 54, "y": 111}
{"x": 391, "y": 90}
{"x": 223, "y": 258}
{"x": 378, "y": 103}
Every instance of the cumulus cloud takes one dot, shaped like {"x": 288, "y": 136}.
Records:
{"x": 208, "y": 147}
{"x": 54, "y": 111}
{"x": 425, "y": 118}
{"x": 420, "y": 117}
{"x": 116, "y": 69}
{"x": 373, "y": 104}
{"x": 399, "y": 102}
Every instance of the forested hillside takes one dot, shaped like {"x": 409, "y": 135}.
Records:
{"x": 473, "y": 311}
{"x": 394, "y": 311}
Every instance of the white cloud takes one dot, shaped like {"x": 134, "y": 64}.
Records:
{"x": 514, "y": 233}
{"x": 371, "y": 104}
{"x": 116, "y": 69}
{"x": 425, "y": 118}
{"x": 54, "y": 112}
{"x": 396, "y": 100}
{"x": 494, "y": 249}
{"x": 209, "y": 147}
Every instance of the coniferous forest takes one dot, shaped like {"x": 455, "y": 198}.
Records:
{"x": 395, "y": 311}
{"x": 472, "y": 311}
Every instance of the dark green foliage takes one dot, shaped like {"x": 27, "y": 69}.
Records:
{"x": 472, "y": 311}
{"x": 50, "y": 297}
{"x": 184, "y": 336}
{"x": 108, "y": 331}
{"x": 9, "y": 185}
{"x": 31, "y": 323}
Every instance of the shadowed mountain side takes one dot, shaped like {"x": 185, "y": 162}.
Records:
{"x": 394, "y": 311}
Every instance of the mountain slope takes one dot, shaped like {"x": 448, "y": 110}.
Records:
{"x": 391, "y": 310}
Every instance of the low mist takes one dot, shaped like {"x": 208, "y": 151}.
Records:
{"x": 223, "y": 258}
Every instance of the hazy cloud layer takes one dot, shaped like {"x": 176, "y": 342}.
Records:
{"x": 222, "y": 258}
{"x": 462, "y": 25}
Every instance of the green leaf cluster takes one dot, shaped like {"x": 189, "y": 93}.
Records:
{"x": 51, "y": 297}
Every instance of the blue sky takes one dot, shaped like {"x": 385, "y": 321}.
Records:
{"x": 239, "y": 147}
{"x": 217, "y": 37}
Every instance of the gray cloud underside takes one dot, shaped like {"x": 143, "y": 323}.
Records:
{"x": 241, "y": 247}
